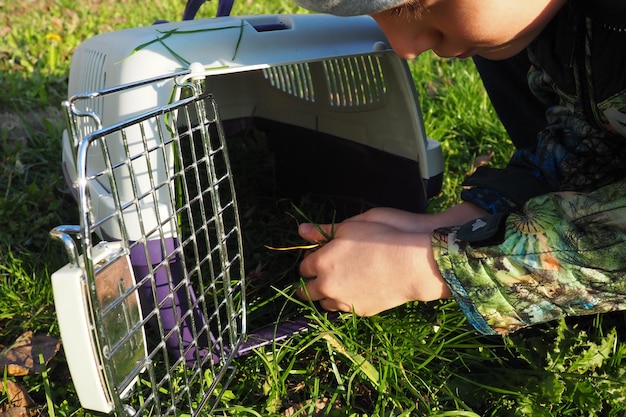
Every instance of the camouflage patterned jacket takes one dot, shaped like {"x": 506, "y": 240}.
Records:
{"x": 555, "y": 243}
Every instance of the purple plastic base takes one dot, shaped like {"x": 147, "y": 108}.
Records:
{"x": 178, "y": 315}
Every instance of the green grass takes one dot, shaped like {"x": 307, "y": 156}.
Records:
{"x": 419, "y": 359}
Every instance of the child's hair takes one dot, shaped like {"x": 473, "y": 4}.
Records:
{"x": 351, "y": 7}
{"x": 409, "y": 9}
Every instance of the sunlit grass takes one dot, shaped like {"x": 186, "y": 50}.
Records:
{"x": 419, "y": 359}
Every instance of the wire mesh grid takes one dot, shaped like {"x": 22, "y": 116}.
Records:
{"x": 157, "y": 254}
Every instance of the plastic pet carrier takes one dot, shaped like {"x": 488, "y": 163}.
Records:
{"x": 151, "y": 306}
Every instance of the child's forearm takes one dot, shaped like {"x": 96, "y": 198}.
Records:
{"x": 458, "y": 215}
{"x": 421, "y": 223}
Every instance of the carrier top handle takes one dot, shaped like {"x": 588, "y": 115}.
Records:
{"x": 223, "y": 8}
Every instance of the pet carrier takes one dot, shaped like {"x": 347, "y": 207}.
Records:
{"x": 152, "y": 307}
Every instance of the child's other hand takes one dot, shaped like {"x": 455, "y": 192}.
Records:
{"x": 418, "y": 222}
{"x": 369, "y": 267}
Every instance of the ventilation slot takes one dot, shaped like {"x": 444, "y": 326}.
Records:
{"x": 355, "y": 81}
{"x": 93, "y": 78}
{"x": 294, "y": 80}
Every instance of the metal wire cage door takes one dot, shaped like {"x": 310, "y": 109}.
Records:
{"x": 151, "y": 305}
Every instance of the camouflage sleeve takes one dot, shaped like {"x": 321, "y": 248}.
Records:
{"x": 563, "y": 254}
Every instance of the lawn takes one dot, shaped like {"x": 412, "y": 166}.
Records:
{"x": 418, "y": 359}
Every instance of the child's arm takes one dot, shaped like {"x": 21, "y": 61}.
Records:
{"x": 421, "y": 223}
{"x": 562, "y": 254}
{"x": 378, "y": 260}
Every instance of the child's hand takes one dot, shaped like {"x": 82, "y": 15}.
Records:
{"x": 369, "y": 267}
